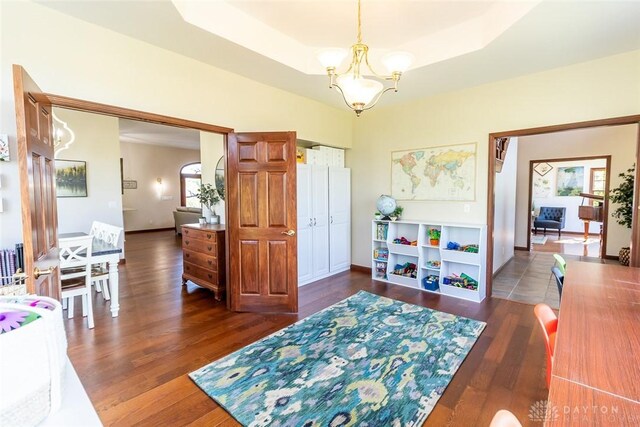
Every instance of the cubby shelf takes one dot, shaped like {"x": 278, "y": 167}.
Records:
{"x": 452, "y": 262}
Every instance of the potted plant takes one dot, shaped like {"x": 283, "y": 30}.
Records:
{"x": 377, "y": 215}
{"x": 623, "y": 196}
{"x": 434, "y": 236}
{"x": 209, "y": 197}
{"x": 398, "y": 212}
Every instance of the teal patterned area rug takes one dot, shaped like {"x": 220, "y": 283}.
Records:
{"x": 367, "y": 360}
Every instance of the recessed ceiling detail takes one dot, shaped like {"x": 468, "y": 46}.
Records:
{"x": 291, "y": 32}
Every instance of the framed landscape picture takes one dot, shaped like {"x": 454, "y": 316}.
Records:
{"x": 570, "y": 181}
{"x": 71, "y": 178}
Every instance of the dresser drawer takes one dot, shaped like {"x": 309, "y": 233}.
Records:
{"x": 201, "y": 273}
{"x": 208, "y": 236}
{"x": 208, "y": 248}
{"x": 203, "y": 260}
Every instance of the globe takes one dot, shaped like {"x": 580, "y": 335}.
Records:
{"x": 386, "y": 204}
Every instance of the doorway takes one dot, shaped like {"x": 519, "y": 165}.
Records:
{"x": 577, "y": 188}
{"x": 501, "y": 144}
{"x": 250, "y": 159}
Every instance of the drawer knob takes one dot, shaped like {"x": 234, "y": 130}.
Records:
{"x": 186, "y": 242}
{"x": 208, "y": 236}
{"x": 209, "y": 248}
{"x": 187, "y": 255}
{"x": 210, "y": 262}
{"x": 210, "y": 276}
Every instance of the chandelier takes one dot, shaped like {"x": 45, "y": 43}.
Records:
{"x": 361, "y": 93}
{"x": 63, "y": 135}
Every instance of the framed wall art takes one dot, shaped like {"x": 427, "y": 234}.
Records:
{"x": 71, "y": 178}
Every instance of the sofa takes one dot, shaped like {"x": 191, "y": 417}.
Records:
{"x": 184, "y": 215}
{"x": 550, "y": 217}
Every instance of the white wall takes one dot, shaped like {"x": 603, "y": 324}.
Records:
{"x": 151, "y": 207}
{"x": 211, "y": 149}
{"x": 617, "y": 141}
{"x": 504, "y": 220}
{"x": 607, "y": 87}
{"x": 544, "y": 194}
{"x": 70, "y": 57}
{"x": 97, "y": 144}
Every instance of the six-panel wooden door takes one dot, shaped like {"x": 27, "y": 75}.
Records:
{"x": 37, "y": 186}
{"x": 261, "y": 222}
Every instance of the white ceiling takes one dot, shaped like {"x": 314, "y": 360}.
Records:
{"x": 138, "y": 132}
{"x": 551, "y": 34}
{"x": 291, "y": 32}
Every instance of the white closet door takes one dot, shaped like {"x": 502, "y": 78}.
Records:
{"x": 320, "y": 202}
{"x": 340, "y": 218}
{"x": 305, "y": 221}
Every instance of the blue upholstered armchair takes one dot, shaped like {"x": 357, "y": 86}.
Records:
{"x": 550, "y": 218}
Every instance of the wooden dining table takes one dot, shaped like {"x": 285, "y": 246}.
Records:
{"x": 103, "y": 252}
{"x": 596, "y": 368}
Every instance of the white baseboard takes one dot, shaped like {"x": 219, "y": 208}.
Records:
{"x": 315, "y": 279}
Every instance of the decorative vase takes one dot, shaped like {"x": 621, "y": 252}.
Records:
{"x": 215, "y": 219}
{"x": 202, "y": 220}
{"x": 624, "y": 255}
{"x": 206, "y": 213}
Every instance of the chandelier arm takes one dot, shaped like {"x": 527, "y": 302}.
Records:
{"x": 380, "y": 76}
{"x": 343, "y": 97}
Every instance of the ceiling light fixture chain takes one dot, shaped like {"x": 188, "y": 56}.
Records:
{"x": 359, "y": 92}
{"x": 359, "y": 24}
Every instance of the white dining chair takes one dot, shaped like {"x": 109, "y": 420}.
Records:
{"x": 75, "y": 274}
{"x": 100, "y": 272}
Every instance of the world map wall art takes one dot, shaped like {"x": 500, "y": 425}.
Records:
{"x": 445, "y": 173}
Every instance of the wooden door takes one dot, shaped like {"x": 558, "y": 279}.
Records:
{"x": 305, "y": 224}
{"x": 261, "y": 205}
{"x": 37, "y": 186}
{"x": 320, "y": 202}
{"x": 339, "y": 219}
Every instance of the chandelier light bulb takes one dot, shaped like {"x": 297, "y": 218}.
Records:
{"x": 397, "y": 62}
{"x": 331, "y": 57}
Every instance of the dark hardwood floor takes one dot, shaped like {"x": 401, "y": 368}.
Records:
{"x": 135, "y": 367}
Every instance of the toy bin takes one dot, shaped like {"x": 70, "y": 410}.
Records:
{"x": 430, "y": 283}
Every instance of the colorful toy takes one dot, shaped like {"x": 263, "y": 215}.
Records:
{"x": 407, "y": 269}
{"x": 405, "y": 241}
{"x": 455, "y": 246}
{"x": 381, "y": 254}
{"x": 433, "y": 264}
{"x": 463, "y": 281}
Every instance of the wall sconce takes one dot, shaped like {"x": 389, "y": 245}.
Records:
{"x": 159, "y": 187}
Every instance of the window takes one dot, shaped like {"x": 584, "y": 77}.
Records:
{"x": 190, "y": 180}
{"x": 598, "y": 181}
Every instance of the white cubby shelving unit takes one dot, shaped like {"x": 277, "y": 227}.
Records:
{"x": 427, "y": 256}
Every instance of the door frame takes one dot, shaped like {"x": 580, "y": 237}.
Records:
{"x": 605, "y": 212}
{"x": 613, "y": 121}
{"x": 127, "y": 113}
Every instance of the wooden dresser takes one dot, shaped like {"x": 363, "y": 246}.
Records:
{"x": 203, "y": 257}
